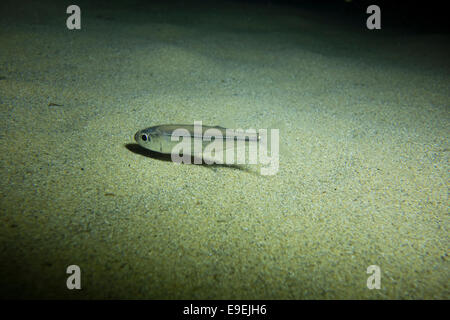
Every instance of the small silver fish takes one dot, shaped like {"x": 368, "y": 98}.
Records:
{"x": 166, "y": 139}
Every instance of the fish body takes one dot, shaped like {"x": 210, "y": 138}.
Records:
{"x": 196, "y": 138}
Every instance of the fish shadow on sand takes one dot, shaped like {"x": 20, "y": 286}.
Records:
{"x": 137, "y": 149}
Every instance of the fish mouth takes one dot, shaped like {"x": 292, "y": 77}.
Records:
{"x": 136, "y": 136}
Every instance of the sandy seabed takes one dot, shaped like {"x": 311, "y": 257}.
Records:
{"x": 364, "y": 145}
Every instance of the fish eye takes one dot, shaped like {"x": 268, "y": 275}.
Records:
{"x": 144, "y": 137}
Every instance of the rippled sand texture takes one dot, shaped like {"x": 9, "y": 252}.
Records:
{"x": 364, "y": 146}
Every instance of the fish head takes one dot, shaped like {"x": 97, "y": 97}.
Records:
{"x": 148, "y": 139}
